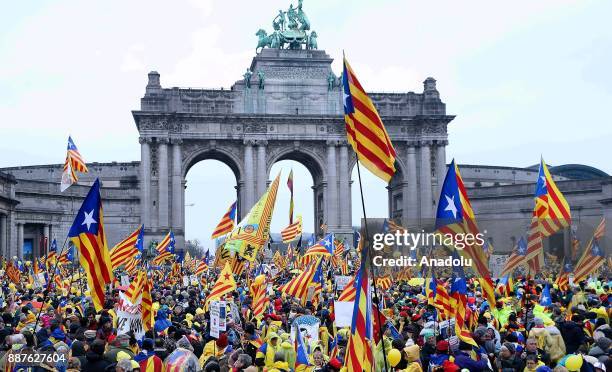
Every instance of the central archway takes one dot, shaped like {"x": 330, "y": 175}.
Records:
{"x": 314, "y": 165}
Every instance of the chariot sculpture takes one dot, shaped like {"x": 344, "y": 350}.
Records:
{"x": 290, "y": 31}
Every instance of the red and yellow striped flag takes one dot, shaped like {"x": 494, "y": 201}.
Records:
{"x": 74, "y": 163}
{"x": 349, "y": 292}
{"x": 224, "y": 284}
{"x": 550, "y": 214}
{"x": 298, "y": 286}
{"x": 291, "y": 232}
{"x": 147, "y": 306}
{"x": 87, "y": 235}
{"x": 226, "y": 225}
{"x": 364, "y": 128}
{"x": 260, "y": 300}
{"x": 136, "y": 286}
{"x": 126, "y": 249}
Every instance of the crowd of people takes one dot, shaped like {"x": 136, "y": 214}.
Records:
{"x": 515, "y": 334}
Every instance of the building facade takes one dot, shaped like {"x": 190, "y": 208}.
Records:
{"x": 288, "y": 106}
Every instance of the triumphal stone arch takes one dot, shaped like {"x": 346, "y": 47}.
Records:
{"x": 287, "y": 106}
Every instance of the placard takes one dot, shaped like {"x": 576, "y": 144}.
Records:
{"x": 222, "y": 316}
{"x": 343, "y": 312}
{"x": 185, "y": 281}
{"x": 214, "y": 319}
{"x": 125, "y": 281}
{"x": 341, "y": 281}
{"x": 308, "y": 326}
{"x": 127, "y": 321}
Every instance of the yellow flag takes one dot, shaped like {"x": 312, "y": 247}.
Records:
{"x": 253, "y": 231}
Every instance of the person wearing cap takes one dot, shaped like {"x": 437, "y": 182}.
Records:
{"x": 120, "y": 344}
{"x": 267, "y": 351}
{"x": 429, "y": 346}
{"x": 147, "y": 359}
{"x": 334, "y": 365}
{"x": 413, "y": 358}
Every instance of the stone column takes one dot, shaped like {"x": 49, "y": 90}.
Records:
{"x": 19, "y": 251}
{"x": 332, "y": 187}
{"x": 425, "y": 182}
{"x": 177, "y": 187}
{"x": 145, "y": 181}
{"x": 345, "y": 187}
{"x": 3, "y": 236}
{"x": 410, "y": 197}
{"x": 440, "y": 166}
{"x": 162, "y": 153}
{"x": 45, "y": 235}
{"x": 262, "y": 171}
{"x": 249, "y": 182}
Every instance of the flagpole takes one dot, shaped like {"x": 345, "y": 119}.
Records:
{"x": 46, "y": 292}
{"x": 376, "y": 299}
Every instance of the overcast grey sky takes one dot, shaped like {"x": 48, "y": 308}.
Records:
{"x": 524, "y": 77}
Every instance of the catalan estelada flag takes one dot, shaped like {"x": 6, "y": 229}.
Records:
{"x": 364, "y": 128}
{"x": 455, "y": 217}
{"x": 165, "y": 249}
{"x": 458, "y": 297}
{"x": 52, "y": 254}
{"x": 324, "y": 247}
{"x": 226, "y": 225}
{"x": 298, "y": 286}
{"x": 550, "y": 214}
{"x": 593, "y": 258}
{"x": 562, "y": 280}
{"x": 359, "y": 354}
{"x": 127, "y": 248}
{"x": 66, "y": 257}
{"x": 516, "y": 259}
{"x": 225, "y": 284}
{"x": 87, "y": 235}
{"x": 74, "y": 163}
{"x": 302, "y": 363}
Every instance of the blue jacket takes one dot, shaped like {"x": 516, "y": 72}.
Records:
{"x": 463, "y": 360}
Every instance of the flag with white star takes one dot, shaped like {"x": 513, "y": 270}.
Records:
{"x": 128, "y": 248}
{"x": 455, "y": 217}
{"x": 545, "y": 299}
{"x": 74, "y": 163}
{"x": 551, "y": 213}
{"x": 87, "y": 235}
{"x": 324, "y": 247}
